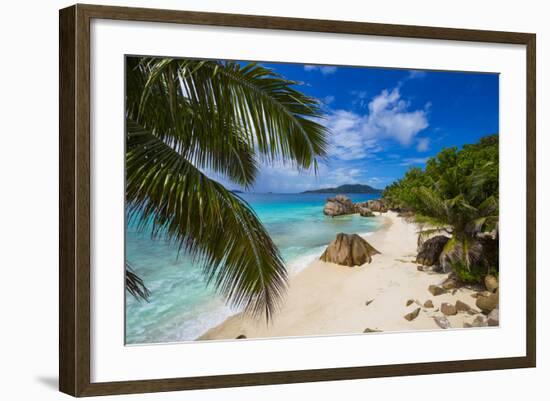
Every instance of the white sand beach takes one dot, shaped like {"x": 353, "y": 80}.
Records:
{"x": 329, "y": 299}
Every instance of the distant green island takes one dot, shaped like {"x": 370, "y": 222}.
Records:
{"x": 346, "y": 189}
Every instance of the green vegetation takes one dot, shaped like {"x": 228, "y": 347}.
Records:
{"x": 186, "y": 118}
{"x": 457, "y": 193}
{"x": 346, "y": 189}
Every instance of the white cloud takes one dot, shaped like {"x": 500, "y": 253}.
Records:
{"x": 354, "y": 136}
{"x": 342, "y": 175}
{"x": 423, "y": 144}
{"x": 324, "y": 69}
{"x": 386, "y": 100}
{"x": 327, "y": 100}
{"x": 389, "y": 116}
{"x": 360, "y": 99}
{"x": 416, "y": 74}
{"x": 285, "y": 178}
{"x": 347, "y": 141}
{"x": 413, "y": 74}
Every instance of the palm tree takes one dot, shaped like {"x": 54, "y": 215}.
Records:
{"x": 460, "y": 205}
{"x": 189, "y": 120}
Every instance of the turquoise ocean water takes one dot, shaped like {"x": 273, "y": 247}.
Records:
{"x": 182, "y": 307}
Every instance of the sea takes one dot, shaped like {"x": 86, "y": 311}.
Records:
{"x": 182, "y": 306}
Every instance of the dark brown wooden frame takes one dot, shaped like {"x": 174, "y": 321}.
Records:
{"x": 74, "y": 203}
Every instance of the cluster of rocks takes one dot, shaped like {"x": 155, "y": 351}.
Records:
{"x": 375, "y": 205}
{"x": 449, "y": 309}
{"x": 349, "y": 250}
{"x": 488, "y": 301}
{"x": 430, "y": 257}
{"x": 451, "y": 283}
{"x": 364, "y": 211}
{"x": 486, "y": 314}
{"x": 342, "y": 205}
{"x": 339, "y": 205}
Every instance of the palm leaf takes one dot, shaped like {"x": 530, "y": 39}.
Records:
{"x": 273, "y": 117}
{"x": 135, "y": 285}
{"x": 204, "y": 137}
{"x": 489, "y": 206}
{"x": 432, "y": 202}
{"x": 425, "y": 234}
{"x": 169, "y": 196}
{"x": 463, "y": 250}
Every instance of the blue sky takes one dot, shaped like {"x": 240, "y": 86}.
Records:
{"x": 384, "y": 121}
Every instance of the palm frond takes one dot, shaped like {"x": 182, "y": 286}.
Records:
{"x": 135, "y": 285}
{"x": 434, "y": 205}
{"x": 462, "y": 250}
{"x": 169, "y": 196}
{"x": 426, "y": 233}
{"x": 489, "y": 206}
{"x": 271, "y": 116}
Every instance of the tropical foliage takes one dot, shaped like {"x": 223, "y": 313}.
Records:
{"x": 457, "y": 193}
{"x": 190, "y": 120}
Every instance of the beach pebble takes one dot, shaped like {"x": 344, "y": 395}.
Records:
{"x": 480, "y": 321}
{"x": 448, "y": 309}
{"x": 462, "y": 306}
{"x": 410, "y": 301}
{"x": 481, "y": 294}
{"x": 450, "y": 284}
{"x": 369, "y": 302}
{"x": 412, "y": 315}
{"x": 491, "y": 283}
{"x": 487, "y": 304}
{"x": 369, "y": 330}
{"x": 428, "y": 304}
{"x": 442, "y": 322}
{"x": 492, "y": 318}
{"x": 436, "y": 290}
{"x": 240, "y": 337}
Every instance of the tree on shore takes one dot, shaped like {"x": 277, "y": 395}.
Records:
{"x": 457, "y": 193}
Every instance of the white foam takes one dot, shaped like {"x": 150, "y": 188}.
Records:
{"x": 298, "y": 264}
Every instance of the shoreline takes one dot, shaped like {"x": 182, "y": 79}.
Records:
{"x": 329, "y": 299}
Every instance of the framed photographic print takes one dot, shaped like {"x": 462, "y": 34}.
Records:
{"x": 250, "y": 200}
